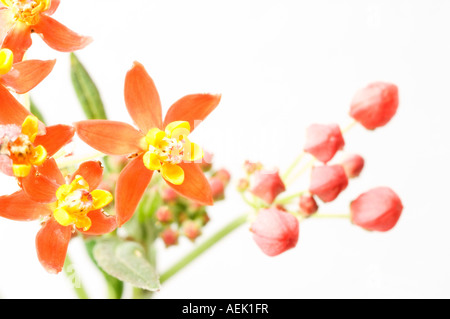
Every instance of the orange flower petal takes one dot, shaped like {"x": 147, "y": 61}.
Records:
{"x": 55, "y": 138}
{"x": 54, "y": 4}
{"x": 192, "y": 108}
{"x": 142, "y": 99}
{"x": 52, "y": 242}
{"x": 92, "y": 172}
{"x": 195, "y": 186}
{"x": 101, "y": 223}
{"x": 41, "y": 186}
{"x": 18, "y": 40}
{"x": 6, "y": 22}
{"x": 110, "y": 137}
{"x": 20, "y": 207}
{"x": 11, "y": 111}
{"x": 51, "y": 170}
{"x": 25, "y": 75}
{"x": 58, "y": 36}
{"x": 131, "y": 185}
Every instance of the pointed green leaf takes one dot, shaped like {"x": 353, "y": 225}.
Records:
{"x": 35, "y": 111}
{"x": 126, "y": 261}
{"x": 86, "y": 90}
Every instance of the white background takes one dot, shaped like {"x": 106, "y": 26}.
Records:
{"x": 280, "y": 65}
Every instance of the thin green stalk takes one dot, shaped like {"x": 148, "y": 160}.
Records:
{"x": 293, "y": 166}
{"x": 200, "y": 249}
{"x": 71, "y": 274}
{"x": 289, "y": 198}
{"x": 309, "y": 165}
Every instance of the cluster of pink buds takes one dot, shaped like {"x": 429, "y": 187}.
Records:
{"x": 275, "y": 226}
{"x": 176, "y": 216}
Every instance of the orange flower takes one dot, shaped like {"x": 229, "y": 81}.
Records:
{"x": 64, "y": 208}
{"x": 24, "y": 141}
{"x": 157, "y": 145}
{"x": 21, "y": 77}
{"x": 20, "y": 18}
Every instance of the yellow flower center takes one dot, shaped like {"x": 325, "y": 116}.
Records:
{"x": 168, "y": 148}
{"x": 21, "y": 150}
{"x": 75, "y": 201}
{"x": 6, "y": 61}
{"x": 27, "y": 11}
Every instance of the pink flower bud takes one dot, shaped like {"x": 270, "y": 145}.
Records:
{"x": 164, "y": 215}
{"x": 169, "y": 237}
{"x": 353, "y": 164}
{"x": 217, "y": 188}
{"x": 242, "y": 185}
{"x": 378, "y": 209}
{"x": 308, "y": 205}
{"x": 206, "y": 163}
{"x": 168, "y": 195}
{"x": 327, "y": 182}
{"x": 323, "y": 141}
{"x": 275, "y": 231}
{"x": 375, "y": 105}
{"x": 191, "y": 229}
{"x": 223, "y": 175}
{"x": 267, "y": 185}
{"x": 250, "y": 167}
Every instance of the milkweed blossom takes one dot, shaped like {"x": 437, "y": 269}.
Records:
{"x": 24, "y": 141}
{"x": 69, "y": 201}
{"x": 157, "y": 144}
{"x": 20, "y": 18}
{"x": 62, "y": 207}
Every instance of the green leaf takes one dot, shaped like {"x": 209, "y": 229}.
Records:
{"x": 35, "y": 111}
{"x": 115, "y": 286}
{"x": 125, "y": 260}
{"x": 86, "y": 90}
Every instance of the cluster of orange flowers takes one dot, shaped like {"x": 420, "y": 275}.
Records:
{"x": 74, "y": 203}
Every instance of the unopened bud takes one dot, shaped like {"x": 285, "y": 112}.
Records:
{"x": 191, "y": 229}
{"x": 267, "y": 185}
{"x": 169, "y": 237}
{"x": 375, "y": 105}
{"x": 250, "y": 167}
{"x": 275, "y": 231}
{"x": 353, "y": 164}
{"x": 164, "y": 215}
{"x": 242, "y": 185}
{"x": 169, "y": 195}
{"x": 217, "y": 188}
{"x": 223, "y": 175}
{"x": 308, "y": 205}
{"x": 379, "y": 209}
{"x": 206, "y": 163}
{"x": 323, "y": 141}
{"x": 327, "y": 182}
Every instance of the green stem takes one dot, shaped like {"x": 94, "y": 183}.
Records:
{"x": 289, "y": 198}
{"x": 309, "y": 165}
{"x": 71, "y": 274}
{"x": 293, "y": 166}
{"x": 200, "y": 249}
{"x": 249, "y": 202}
